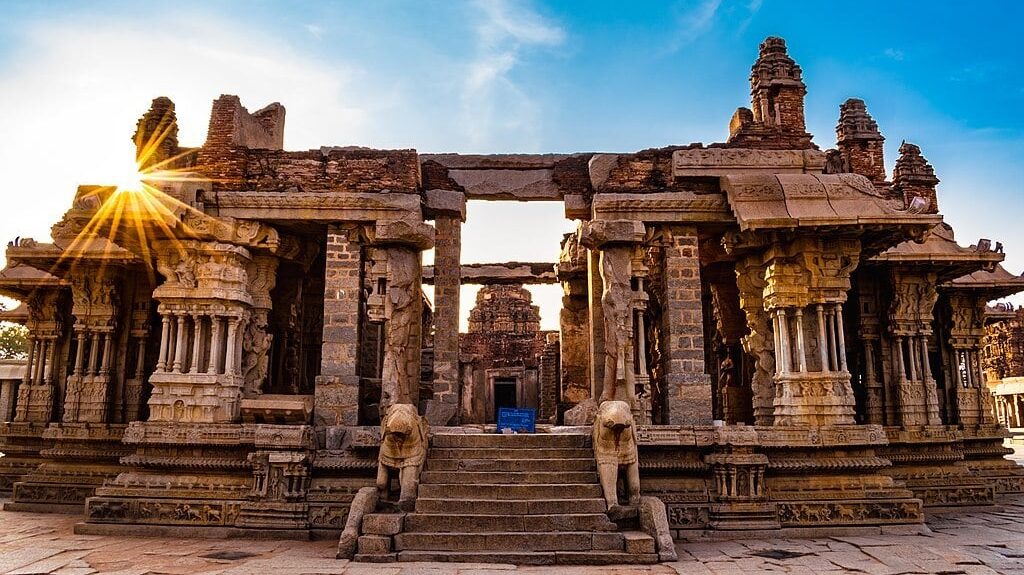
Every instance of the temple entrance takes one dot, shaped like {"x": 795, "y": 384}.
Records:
{"x": 505, "y": 393}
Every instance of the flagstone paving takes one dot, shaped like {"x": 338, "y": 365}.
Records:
{"x": 976, "y": 542}
{"x": 961, "y": 542}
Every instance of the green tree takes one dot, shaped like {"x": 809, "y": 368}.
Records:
{"x": 13, "y": 341}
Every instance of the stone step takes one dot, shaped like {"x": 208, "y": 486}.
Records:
{"x": 511, "y": 541}
{"x": 526, "y": 558}
{"x": 511, "y": 465}
{"x": 491, "y": 491}
{"x": 509, "y": 506}
{"x": 510, "y": 454}
{"x": 470, "y": 523}
{"x": 511, "y": 441}
{"x": 507, "y": 477}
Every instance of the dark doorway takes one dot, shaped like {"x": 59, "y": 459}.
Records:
{"x": 504, "y": 393}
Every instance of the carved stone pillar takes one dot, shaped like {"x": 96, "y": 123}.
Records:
{"x": 256, "y": 339}
{"x": 762, "y": 341}
{"x": 403, "y": 309}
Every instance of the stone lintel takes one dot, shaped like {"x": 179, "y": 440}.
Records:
{"x": 504, "y": 184}
{"x": 414, "y": 234}
{"x": 667, "y": 207}
{"x": 598, "y": 233}
{"x": 444, "y": 202}
{"x": 722, "y": 161}
{"x": 502, "y": 273}
{"x": 319, "y": 207}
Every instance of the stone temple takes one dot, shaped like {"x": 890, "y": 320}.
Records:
{"x": 755, "y": 336}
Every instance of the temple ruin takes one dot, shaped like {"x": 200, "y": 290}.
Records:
{"x": 799, "y": 338}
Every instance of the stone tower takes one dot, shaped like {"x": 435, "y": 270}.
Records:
{"x": 777, "y": 93}
{"x": 859, "y": 141}
{"x": 914, "y": 177}
{"x": 156, "y": 135}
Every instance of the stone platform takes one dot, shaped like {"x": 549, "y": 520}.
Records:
{"x": 983, "y": 542}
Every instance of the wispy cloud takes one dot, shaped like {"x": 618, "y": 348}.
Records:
{"x": 695, "y": 19}
{"x": 315, "y": 30}
{"x": 494, "y": 107}
{"x": 894, "y": 54}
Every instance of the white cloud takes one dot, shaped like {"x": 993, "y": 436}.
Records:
{"x": 693, "y": 23}
{"x": 315, "y": 31}
{"x": 74, "y": 90}
{"x": 496, "y": 112}
{"x": 894, "y": 54}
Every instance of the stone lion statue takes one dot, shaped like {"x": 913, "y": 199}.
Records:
{"x": 403, "y": 449}
{"x": 615, "y": 451}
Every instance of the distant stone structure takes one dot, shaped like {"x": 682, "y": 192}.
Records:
{"x": 800, "y": 341}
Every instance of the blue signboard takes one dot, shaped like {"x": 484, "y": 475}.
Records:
{"x": 518, "y": 420}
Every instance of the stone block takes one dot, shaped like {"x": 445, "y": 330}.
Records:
{"x": 383, "y": 523}
{"x": 446, "y": 202}
{"x": 637, "y": 542}
{"x": 374, "y": 545}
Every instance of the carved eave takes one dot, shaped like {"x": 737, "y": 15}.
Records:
{"x": 19, "y": 280}
{"x": 770, "y": 207}
{"x": 939, "y": 253}
{"x": 16, "y": 315}
{"x": 664, "y": 207}
{"x": 989, "y": 285}
{"x": 65, "y": 254}
{"x": 999, "y": 312}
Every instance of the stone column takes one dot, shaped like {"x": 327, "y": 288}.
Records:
{"x": 822, "y": 337}
{"x": 574, "y": 322}
{"x": 449, "y": 211}
{"x": 179, "y": 343}
{"x": 231, "y": 353}
{"x": 595, "y": 287}
{"x": 337, "y": 387}
{"x": 215, "y": 345}
{"x": 197, "y": 342}
{"x": 79, "y": 351}
{"x": 165, "y": 336}
{"x": 800, "y": 349}
{"x": 688, "y": 387}
{"x": 403, "y": 311}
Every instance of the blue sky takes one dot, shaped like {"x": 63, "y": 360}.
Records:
{"x": 495, "y": 76}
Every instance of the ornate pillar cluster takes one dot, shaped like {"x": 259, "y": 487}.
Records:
{"x": 97, "y": 306}
{"x": 910, "y": 327}
{"x": 802, "y": 295}
{"x": 205, "y": 305}
{"x": 39, "y": 390}
{"x": 971, "y": 396}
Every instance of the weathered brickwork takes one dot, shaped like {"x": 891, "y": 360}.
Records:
{"x": 337, "y": 389}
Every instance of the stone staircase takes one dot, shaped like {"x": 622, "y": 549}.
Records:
{"x": 522, "y": 499}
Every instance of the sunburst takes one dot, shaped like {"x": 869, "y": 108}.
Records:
{"x": 135, "y": 212}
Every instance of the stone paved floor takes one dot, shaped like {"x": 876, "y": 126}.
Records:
{"x": 969, "y": 543}
{"x": 975, "y": 542}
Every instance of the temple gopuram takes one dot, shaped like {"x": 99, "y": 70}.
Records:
{"x": 756, "y": 336}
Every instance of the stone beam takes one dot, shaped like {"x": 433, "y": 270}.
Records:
{"x": 502, "y": 273}
{"x": 318, "y": 207}
{"x": 523, "y": 177}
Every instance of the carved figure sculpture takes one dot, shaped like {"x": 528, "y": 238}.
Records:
{"x": 403, "y": 449}
{"x": 615, "y": 451}
{"x": 616, "y": 303}
{"x": 402, "y": 316}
